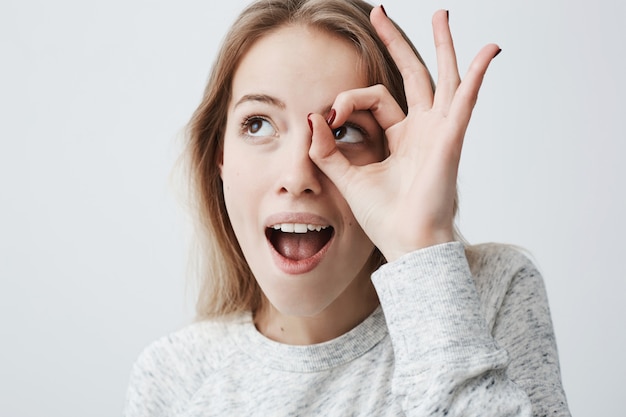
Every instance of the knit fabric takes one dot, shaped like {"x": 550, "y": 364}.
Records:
{"x": 459, "y": 332}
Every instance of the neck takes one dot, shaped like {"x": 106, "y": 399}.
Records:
{"x": 341, "y": 316}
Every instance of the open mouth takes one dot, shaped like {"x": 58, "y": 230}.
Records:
{"x": 297, "y": 241}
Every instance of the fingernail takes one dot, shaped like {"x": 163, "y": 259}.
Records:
{"x": 331, "y": 117}
{"x": 497, "y": 53}
{"x": 308, "y": 119}
{"x": 448, "y": 15}
{"x": 383, "y": 9}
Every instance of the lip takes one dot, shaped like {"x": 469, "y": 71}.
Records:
{"x": 306, "y": 218}
{"x": 296, "y": 267}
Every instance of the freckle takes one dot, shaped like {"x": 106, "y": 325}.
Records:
{"x": 282, "y": 329}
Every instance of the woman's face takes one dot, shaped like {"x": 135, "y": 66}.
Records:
{"x": 296, "y": 231}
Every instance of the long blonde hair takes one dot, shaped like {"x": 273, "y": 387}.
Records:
{"x": 227, "y": 284}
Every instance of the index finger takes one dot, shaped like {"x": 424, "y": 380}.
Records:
{"x": 416, "y": 77}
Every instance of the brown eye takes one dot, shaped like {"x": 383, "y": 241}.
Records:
{"x": 348, "y": 134}
{"x": 258, "y": 126}
{"x": 340, "y": 132}
{"x": 255, "y": 126}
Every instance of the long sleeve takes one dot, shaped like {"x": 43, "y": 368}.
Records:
{"x": 448, "y": 362}
{"x": 520, "y": 322}
{"x": 170, "y": 370}
{"x": 158, "y": 382}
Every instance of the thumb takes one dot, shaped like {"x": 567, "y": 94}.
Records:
{"x": 325, "y": 153}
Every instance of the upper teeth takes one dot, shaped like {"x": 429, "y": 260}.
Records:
{"x": 298, "y": 227}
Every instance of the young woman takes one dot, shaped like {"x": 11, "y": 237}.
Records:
{"x": 324, "y": 164}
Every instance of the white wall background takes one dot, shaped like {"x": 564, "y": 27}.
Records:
{"x": 93, "y": 241}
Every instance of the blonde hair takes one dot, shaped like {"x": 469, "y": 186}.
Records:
{"x": 227, "y": 284}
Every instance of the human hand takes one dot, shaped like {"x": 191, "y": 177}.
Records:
{"x": 415, "y": 186}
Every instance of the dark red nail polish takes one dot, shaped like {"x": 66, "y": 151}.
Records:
{"x": 308, "y": 119}
{"x": 383, "y": 9}
{"x": 497, "y": 53}
{"x": 331, "y": 117}
{"x": 448, "y": 15}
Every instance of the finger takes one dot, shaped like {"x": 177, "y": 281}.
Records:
{"x": 416, "y": 78}
{"x": 448, "y": 78}
{"x": 326, "y": 155}
{"x": 467, "y": 92}
{"x": 377, "y": 99}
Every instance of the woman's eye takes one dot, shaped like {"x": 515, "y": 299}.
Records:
{"x": 348, "y": 134}
{"x": 258, "y": 126}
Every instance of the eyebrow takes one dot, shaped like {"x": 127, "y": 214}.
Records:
{"x": 267, "y": 99}
{"x": 263, "y": 98}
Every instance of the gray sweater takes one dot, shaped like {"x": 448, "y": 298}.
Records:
{"x": 459, "y": 332}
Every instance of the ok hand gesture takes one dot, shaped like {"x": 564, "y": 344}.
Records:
{"x": 415, "y": 186}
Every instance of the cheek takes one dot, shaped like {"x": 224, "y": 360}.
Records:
{"x": 231, "y": 175}
{"x": 231, "y": 168}
{"x": 376, "y": 151}
{"x": 237, "y": 202}
{"x": 369, "y": 156}
{"x": 242, "y": 186}
{"x": 234, "y": 189}
{"x": 382, "y": 148}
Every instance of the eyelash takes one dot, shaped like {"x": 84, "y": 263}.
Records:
{"x": 248, "y": 120}
{"x": 360, "y": 129}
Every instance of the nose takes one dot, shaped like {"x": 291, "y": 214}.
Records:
{"x": 299, "y": 175}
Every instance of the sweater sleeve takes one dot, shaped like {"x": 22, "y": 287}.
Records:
{"x": 523, "y": 326}
{"x": 170, "y": 370}
{"x": 157, "y": 382}
{"x": 447, "y": 363}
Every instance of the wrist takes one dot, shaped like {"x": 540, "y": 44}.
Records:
{"x": 418, "y": 242}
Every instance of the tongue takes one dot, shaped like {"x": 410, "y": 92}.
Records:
{"x": 298, "y": 246}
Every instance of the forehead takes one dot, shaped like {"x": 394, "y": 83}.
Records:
{"x": 298, "y": 59}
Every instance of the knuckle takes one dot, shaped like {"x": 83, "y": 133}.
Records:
{"x": 379, "y": 89}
